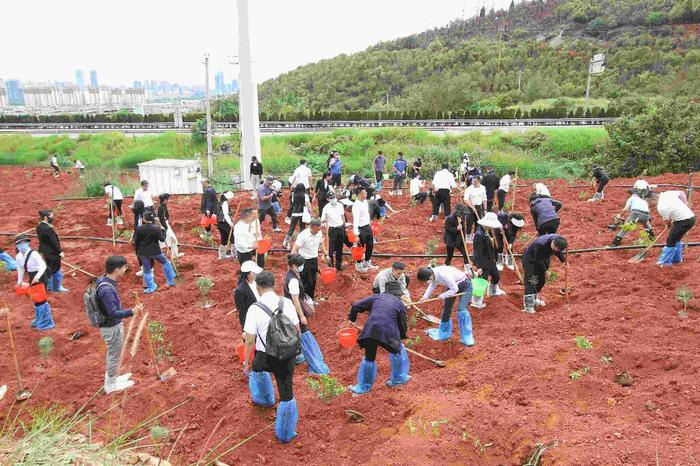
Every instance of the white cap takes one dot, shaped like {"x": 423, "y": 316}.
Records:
{"x": 228, "y": 195}
{"x": 490, "y": 220}
{"x": 517, "y": 222}
{"x": 250, "y": 266}
{"x": 541, "y": 189}
{"x": 346, "y": 202}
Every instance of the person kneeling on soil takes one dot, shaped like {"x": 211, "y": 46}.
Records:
{"x": 31, "y": 262}
{"x": 112, "y": 328}
{"x": 485, "y": 255}
{"x": 276, "y": 341}
{"x": 536, "y": 261}
{"x": 674, "y": 210}
{"x": 456, "y": 281}
{"x": 638, "y": 208}
{"x": 294, "y": 291}
{"x": 147, "y": 241}
{"x": 512, "y": 223}
{"x": 386, "y": 326}
{"x": 392, "y": 275}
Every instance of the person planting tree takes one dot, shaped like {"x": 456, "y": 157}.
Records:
{"x": 485, "y": 255}
{"x": 536, "y": 261}
{"x": 600, "y": 180}
{"x": 544, "y": 212}
{"x": 147, "y": 241}
{"x": 456, "y": 282}
{"x": 394, "y": 274}
{"x": 386, "y": 327}
{"x": 638, "y": 208}
{"x": 30, "y": 262}
{"x": 116, "y": 198}
{"x": 674, "y": 211}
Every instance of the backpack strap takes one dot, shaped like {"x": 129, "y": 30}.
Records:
{"x": 26, "y": 260}
{"x": 268, "y": 311}
{"x": 98, "y": 300}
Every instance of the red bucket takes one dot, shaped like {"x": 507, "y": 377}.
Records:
{"x": 328, "y": 275}
{"x": 351, "y": 236}
{"x": 264, "y": 245}
{"x": 240, "y": 349}
{"x": 358, "y": 252}
{"x": 376, "y": 229}
{"x": 204, "y": 222}
{"x": 21, "y": 290}
{"x": 213, "y": 220}
{"x": 38, "y": 293}
{"x": 347, "y": 337}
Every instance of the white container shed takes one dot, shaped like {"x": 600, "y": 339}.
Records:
{"x": 173, "y": 176}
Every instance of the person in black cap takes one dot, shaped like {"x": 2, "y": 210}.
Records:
{"x": 50, "y": 248}
{"x": 31, "y": 263}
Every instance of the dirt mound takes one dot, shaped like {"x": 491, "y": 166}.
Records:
{"x": 526, "y": 381}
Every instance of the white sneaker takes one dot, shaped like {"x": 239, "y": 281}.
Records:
{"x": 499, "y": 267}
{"x": 539, "y": 302}
{"x": 124, "y": 377}
{"x": 369, "y": 266}
{"x": 118, "y": 385}
{"x": 288, "y": 221}
{"x": 109, "y": 222}
{"x": 478, "y": 302}
{"x": 180, "y": 254}
{"x": 359, "y": 267}
{"x": 140, "y": 273}
{"x": 120, "y": 221}
{"x": 432, "y": 218}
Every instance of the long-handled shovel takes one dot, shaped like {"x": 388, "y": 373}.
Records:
{"x": 75, "y": 267}
{"x": 640, "y": 257}
{"x": 565, "y": 291}
{"x": 432, "y": 299}
{"x": 22, "y": 393}
{"x": 437, "y": 362}
{"x": 427, "y": 317}
{"x": 512, "y": 257}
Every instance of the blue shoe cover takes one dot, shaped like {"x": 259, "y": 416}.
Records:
{"x": 666, "y": 257}
{"x": 365, "y": 377}
{"x": 678, "y": 253}
{"x": 443, "y": 332}
{"x": 261, "y": 390}
{"x": 465, "y": 328}
{"x": 10, "y": 263}
{"x": 300, "y": 359}
{"x": 36, "y": 317}
{"x": 169, "y": 273}
{"x": 44, "y": 319}
{"x": 312, "y": 354}
{"x": 400, "y": 366}
{"x": 150, "y": 282}
{"x": 286, "y": 421}
{"x": 57, "y": 280}
{"x": 49, "y": 284}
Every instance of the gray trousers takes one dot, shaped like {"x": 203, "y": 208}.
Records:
{"x": 255, "y": 181}
{"x": 114, "y": 338}
{"x": 637, "y": 216}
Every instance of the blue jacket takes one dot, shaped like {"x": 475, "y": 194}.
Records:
{"x": 544, "y": 209}
{"x": 336, "y": 167}
{"x": 400, "y": 166}
{"x": 386, "y": 322}
{"x": 111, "y": 304}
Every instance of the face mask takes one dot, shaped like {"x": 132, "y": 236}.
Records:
{"x": 23, "y": 247}
{"x": 334, "y": 201}
{"x": 300, "y": 268}
{"x": 50, "y": 219}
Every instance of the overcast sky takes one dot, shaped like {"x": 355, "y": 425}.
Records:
{"x": 128, "y": 40}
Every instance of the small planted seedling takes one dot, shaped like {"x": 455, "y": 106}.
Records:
{"x": 45, "y": 347}
{"x": 478, "y": 444}
{"x": 424, "y": 428}
{"x": 575, "y": 375}
{"x": 525, "y": 237}
{"x": 684, "y": 295}
{"x": 433, "y": 263}
{"x": 553, "y": 276}
{"x": 582, "y": 195}
{"x": 535, "y": 459}
{"x": 205, "y": 284}
{"x": 413, "y": 342}
{"x": 606, "y": 359}
{"x": 583, "y": 343}
{"x": 412, "y": 321}
{"x": 161, "y": 347}
{"x": 430, "y": 246}
{"x": 644, "y": 239}
{"x": 326, "y": 387}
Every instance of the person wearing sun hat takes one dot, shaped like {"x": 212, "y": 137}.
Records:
{"x": 512, "y": 224}
{"x": 30, "y": 262}
{"x": 485, "y": 255}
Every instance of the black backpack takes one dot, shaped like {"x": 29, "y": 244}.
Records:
{"x": 282, "y": 340}
{"x": 93, "y": 305}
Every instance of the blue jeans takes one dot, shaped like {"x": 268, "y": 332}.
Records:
{"x": 148, "y": 262}
{"x": 464, "y": 287}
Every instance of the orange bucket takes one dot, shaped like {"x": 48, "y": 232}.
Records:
{"x": 264, "y": 245}
{"x": 204, "y": 222}
{"x": 21, "y": 290}
{"x": 328, "y": 275}
{"x": 376, "y": 229}
{"x": 347, "y": 337}
{"x": 358, "y": 252}
{"x": 38, "y": 293}
{"x": 213, "y": 220}
{"x": 351, "y": 236}
{"x": 240, "y": 349}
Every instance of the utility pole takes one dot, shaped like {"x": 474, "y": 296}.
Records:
{"x": 588, "y": 83}
{"x": 520, "y": 76}
{"x": 210, "y": 158}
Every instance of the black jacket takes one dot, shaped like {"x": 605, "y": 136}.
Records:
{"x": 491, "y": 182}
{"x": 49, "y": 244}
{"x": 256, "y": 169}
{"x": 208, "y": 200}
{"x": 146, "y": 240}
{"x": 322, "y": 190}
{"x": 243, "y": 296}
{"x": 163, "y": 216}
{"x": 484, "y": 251}
{"x": 452, "y": 236}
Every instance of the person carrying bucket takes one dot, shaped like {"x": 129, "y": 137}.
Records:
{"x": 294, "y": 290}
{"x": 255, "y": 336}
{"x": 536, "y": 261}
{"x": 208, "y": 204}
{"x": 485, "y": 255}
{"x": 456, "y": 282}
{"x": 164, "y": 218}
{"x": 147, "y": 241}
{"x": 30, "y": 262}
{"x": 362, "y": 229}
{"x": 386, "y": 327}
{"x": 50, "y": 249}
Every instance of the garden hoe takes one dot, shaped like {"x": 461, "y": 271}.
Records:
{"x": 22, "y": 393}
{"x": 437, "y": 362}
{"x": 640, "y": 257}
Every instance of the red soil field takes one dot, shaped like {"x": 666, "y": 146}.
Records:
{"x": 512, "y": 390}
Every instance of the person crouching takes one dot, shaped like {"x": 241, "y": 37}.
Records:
{"x": 385, "y": 327}
{"x": 147, "y": 241}
{"x": 536, "y": 261}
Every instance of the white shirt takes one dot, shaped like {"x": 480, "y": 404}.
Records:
{"x": 505, "y": 183}
{"x": 309, "y": 243}
{"x": 637, "y": 203}
{"x": 477, "y": 196}
{"x": 302, "y": 175}
{"x": 254, "y": 288}
{"x": 245, "y": 237}
{"x": 415, "y": 186}
{"x": 444, "y": 179}
{"x": 225, "y": 209}
{"x": 79, "y": 164}
{"x": 360, "y": 216}
{"x": 293, "y": 286}
{"x": 109, "y": 189}
{"x": 385, "y": 276}
{"x": 671, "y": 207}
{"x": 34, "y": 264}
{"x": 447, "y": 276}
{"x": 257, "y": 320}
{"x": 333, "y": 215}
{"x": 54, "y": 161}
{"x": 143, "y": 196}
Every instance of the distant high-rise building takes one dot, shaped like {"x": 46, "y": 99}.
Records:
{"x": 79, "y": 79}
{"x": 14, "y": 92}
{"x": 93, "y": 78}
{"x": 138, "y": 85}
{"x": 219, "y": 86}
{"x": 234, "y": 86}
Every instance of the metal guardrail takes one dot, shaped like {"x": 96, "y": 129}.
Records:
{"x": 298, "y": 125}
